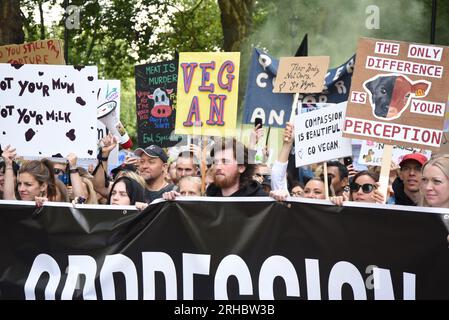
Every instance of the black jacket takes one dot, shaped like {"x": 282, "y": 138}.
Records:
{"x": 399, "y": 194}
{"x": 253, "y": 189}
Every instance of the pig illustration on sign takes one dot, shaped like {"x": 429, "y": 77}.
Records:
{"x": 390, "y": 94}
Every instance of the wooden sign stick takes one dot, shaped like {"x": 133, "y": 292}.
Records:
{"x": 385, "y": 170}
{"x": 203, "y": 145}
{"x": 326, "y": 181}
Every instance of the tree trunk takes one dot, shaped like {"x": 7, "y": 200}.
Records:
{"x": 236, "y": 21}
{"x": 11, "y": 22}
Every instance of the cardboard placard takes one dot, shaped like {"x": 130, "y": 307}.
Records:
{"x": 273, "y": 108}
{"x": 318, "y": 135}
{"x": 156, "y": 87}
{"x": 371, "y": 153}
{"x": 399, "y": 93}
{"x": 207, "y": 93}
{"x": 49, "y": 109}
{"x": 38, "y": 52}
{"x": 301, "y": 74}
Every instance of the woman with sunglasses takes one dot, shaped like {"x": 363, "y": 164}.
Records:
{"x": 434, "y": 185}
{"x": 363, "y": 188}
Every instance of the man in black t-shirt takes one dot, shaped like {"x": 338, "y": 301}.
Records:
{"x": 152, "y": 167}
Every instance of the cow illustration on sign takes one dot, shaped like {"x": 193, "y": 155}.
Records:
{"x": 162, "y": 108}
{"x": 390, "y": 94}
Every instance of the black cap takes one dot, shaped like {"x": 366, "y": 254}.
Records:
{"x": 152, "y": 151}
{"x": 123, "y": 167}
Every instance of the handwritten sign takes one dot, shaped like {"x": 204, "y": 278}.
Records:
{"x": 318, "y": 135}
{"x": 156, "y": 87}
{"x": 301, "y": 74}
{"x": 37, "y": 52}
{"x": 207, "y": 93}
{"x": 46, "y": 110}
{"x": 399, "y": 93}
{"x": 371, "y": 153}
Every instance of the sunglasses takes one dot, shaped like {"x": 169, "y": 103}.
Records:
{"x": 366, "y": 188}
{"x": 57, "y": 171}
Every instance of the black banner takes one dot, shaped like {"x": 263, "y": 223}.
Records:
{"x": 156, "y": 87}
{"x": 242, "y": 249}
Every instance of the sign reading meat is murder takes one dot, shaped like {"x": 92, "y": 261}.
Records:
{"x": 156, "y": 103}
{"x": 48, "y": 109}
{"x": 398, "y": 94}
{"x": 318, "y": 135}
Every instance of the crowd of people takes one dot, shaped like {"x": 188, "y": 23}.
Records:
{"x": 150, "y": 174}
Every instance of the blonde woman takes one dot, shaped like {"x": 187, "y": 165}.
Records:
{"x": 434, "y": 185}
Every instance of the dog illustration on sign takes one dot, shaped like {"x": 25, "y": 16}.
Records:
{"x": 390, "y": 94}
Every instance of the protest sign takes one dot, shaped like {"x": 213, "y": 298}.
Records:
{"x": 399, "y": 93}
{"x": 274, "y": 108}
{"x": 207, "y": 93}
{"x": 371, "y": 153}
{"x": 37, "y": 52}
{"x": 156, "y": 87}
{"x": 301, "y": 74}
{"x": 48, "y": 109}
{"x": 318, "y": 135}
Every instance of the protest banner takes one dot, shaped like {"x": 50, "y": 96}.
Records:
{"x": 48, "y": 109}
{"x": 399, "y": 93}
{"x": 207, "y": 93}
{"x": 274, "y": 108}
{"x": 318, "y": 135}
{"x": 38, "y": 52}
{"x": 210, "y": 249}
{"x": 156, "y": 87}
{"x": 371, "y": 153}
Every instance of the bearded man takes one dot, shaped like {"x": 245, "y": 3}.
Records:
{"x": 233, "y": 174}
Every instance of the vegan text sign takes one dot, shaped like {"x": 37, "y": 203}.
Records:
{"x": 37, "y": 52}
{"x": 318, "y": 135}
{"x": 301, "y": 74}
{"x": 207, "y": 93}
{"x": 46, "y": 110}
{"x": 399, "y": 93}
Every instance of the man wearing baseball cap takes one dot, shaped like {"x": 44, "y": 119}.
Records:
{"x": 152, "y": 167}
{"x": 406, "y": 186}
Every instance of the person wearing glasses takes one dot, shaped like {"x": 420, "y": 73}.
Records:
{"x": 363, "y": 188}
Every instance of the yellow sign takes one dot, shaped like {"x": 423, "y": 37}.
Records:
{"x": 207, "y": 93}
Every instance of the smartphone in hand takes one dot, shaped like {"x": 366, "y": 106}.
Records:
{"x": 347, "y": 161}
{"x": 258, "y": 122}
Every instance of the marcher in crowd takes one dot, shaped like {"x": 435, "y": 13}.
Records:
{"x": 435, "y": 182}
{"x": 406, "y": 186}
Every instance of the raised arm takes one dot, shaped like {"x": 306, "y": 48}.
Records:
{"x": 8, "y": 156}
{"x": 108, "y": 143}
{"x": 279, "y": 170}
